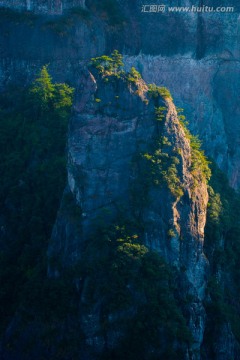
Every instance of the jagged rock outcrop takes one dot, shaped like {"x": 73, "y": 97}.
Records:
{"x": 197, "y": 57}
{"x": 195, "y": 54}
{"x": 208, "y": 106}
{"x": 113, "y": 126}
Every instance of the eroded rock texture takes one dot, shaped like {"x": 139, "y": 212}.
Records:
{"x": 112, "y": 125}
{"x": 195, "y": 54}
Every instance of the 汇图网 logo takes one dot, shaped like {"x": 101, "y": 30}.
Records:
{"x": 183, "y": 9}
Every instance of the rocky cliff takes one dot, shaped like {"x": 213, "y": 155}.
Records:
{"x": 128, "y": 161}
{"x": 130, "y": 156}
{"x": 195, "y": 54}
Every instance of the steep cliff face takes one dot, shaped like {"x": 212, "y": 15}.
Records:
{"x": 126, "y": 160}
{"x": 198, "y": 88}
{"x": 195, "y": 54}
{"x": 117, "y": 140}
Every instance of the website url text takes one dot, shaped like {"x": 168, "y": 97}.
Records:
{"x": 184, "y": 9}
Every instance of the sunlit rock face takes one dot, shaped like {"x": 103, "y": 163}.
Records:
{"x": 195, "y": 54}
{"x": 207, "y": 89}
{"x": 111, "y": 126}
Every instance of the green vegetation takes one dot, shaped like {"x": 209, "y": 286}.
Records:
{"x": 199, "y": 162}
{"x": 111, "y": 68}
{"x": 133, "y": 75}
{"x": 171, "y": 233}
{"x": 172, "y": 178}
{"x": 222, "y": 246}
{"x": 127, "y": 276}
{"x": 33, "y": 127}
{"x": 215, "y": 207}
{"x": 131, "y": 288}
{"x": 109, "y": 65}
{"x": 162, "y": 162}
{"x": 133, "y": 284}
{"x": 156, "y": 91}
{"x": 162, "y": 167}
{"x": 161, "y": 113}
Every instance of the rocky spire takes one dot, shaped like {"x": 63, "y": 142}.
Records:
{"x": 130, "y": 155}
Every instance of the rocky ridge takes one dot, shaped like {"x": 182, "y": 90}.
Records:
{"x": 197, "y": 57}
{"x": 113, "y": 132}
